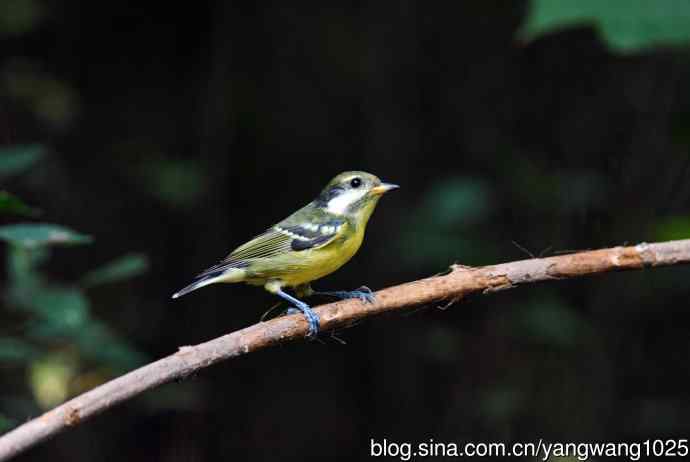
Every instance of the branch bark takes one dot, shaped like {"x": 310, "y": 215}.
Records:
{"x": 449, "y": 288}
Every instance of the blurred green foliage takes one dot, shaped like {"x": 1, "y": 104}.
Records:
{"x": 501, "y": 403}
{"x": 572, "y": 189}
{"x": 672, "y": 228}
{"x": 453, "y": 208}
{"x": 50, "y": 378}
{"x": 51, "y": 100}
{"x": 13, "y": 350}
{"x": 177, "y": 183}
{"x": 6, "y": 423}
{"x": 15, "y": 160}
{"x": 120, "y": 269}
{"x": 550, "y": 322}
{"x": 41, "y": 234}
{"x": 20, "y": 16}
{"x": 56, "y": 338}
{"x": 627, "y": 25}
{"x": 11, "y": 204}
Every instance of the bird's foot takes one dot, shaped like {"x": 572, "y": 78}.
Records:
{"x": 312, "y": 318}
{"x": 364, "y": 294}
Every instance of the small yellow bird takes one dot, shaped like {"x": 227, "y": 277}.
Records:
{"x": 309, "y": 244}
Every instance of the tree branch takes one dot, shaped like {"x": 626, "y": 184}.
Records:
{"x": 449, "y": 288}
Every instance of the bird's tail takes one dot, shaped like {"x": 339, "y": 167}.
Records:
{"x": 206, "y": 278}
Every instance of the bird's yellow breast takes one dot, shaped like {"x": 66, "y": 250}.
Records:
{"x": 300, "y": 267}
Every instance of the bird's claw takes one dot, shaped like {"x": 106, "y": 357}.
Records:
{"x": 363, "y": 294}
{"x": 312, "y": 319}
{"x": 366, "y": 294}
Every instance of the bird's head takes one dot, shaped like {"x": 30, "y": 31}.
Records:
{"x": 354, "y": 194}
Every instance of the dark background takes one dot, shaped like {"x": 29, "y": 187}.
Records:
{"x": 178, "y": 131}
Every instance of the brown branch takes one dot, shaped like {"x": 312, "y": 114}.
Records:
{"x": 449, "y": 288}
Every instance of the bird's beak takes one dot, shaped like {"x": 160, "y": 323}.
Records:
{"x": 383, "y": 188}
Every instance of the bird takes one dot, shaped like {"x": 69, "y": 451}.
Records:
{"x": 311, "y": 243}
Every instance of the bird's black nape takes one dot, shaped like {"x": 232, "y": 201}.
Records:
{"x": 328, "y": 194}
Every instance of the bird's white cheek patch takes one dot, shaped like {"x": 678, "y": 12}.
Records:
{"x": 340, "y": 203}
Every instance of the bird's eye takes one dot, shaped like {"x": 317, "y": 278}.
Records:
{"x": 356, "y": 182}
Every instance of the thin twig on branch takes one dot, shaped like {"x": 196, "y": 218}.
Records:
{"x": 449, "y": 288}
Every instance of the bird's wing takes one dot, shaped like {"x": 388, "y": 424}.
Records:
{"x": 290, "y": 235}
